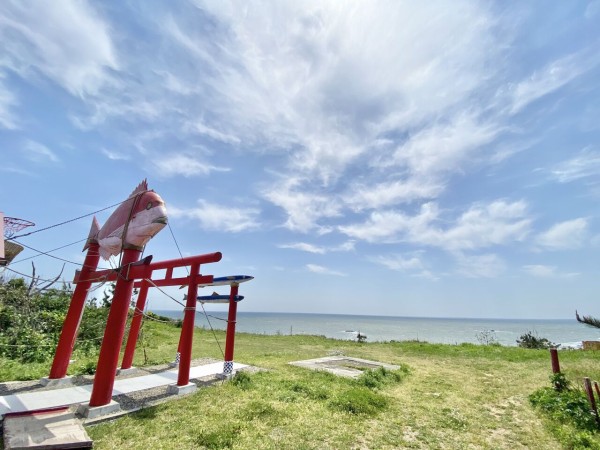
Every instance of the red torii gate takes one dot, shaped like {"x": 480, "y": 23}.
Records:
{"x": 132, "y": 273}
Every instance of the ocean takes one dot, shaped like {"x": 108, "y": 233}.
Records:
{"x": 568, "y": 333}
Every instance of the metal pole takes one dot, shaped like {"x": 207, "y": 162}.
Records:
{"x": 113, "y": 335}
{"x": 66, "y": 342}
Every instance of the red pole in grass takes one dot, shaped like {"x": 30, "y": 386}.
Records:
{"x": 554, "y": 359}
{"x": 66, "y": 342}
{"x": 134, "y": 329}
{"x": 113, "y": 335}
{"x": 230, "y": 336}
{"x": 187, "y": 330}
{"x": 590, "y": 395}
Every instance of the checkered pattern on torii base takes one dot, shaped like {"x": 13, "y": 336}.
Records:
{"x": 227, "y": 367}
{"x": 177, "y": 358}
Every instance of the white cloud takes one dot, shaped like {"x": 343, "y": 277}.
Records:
{"x": 480, "y": 266}
{"x": 66, "y": 41}
{"x": 442, "y": 148}
{"x": 303, "y": 246}
{"x": 481, "y": 226}
{"x": 567, "y": 235}
{"x": 114, "y": 156}
{"x": 550, "y": 78}
{"x": 376, "y": 195}
{"x": 182, "y": 164}
{"x": 216, "y": 217}
{"x": 7, "y": 103}
{"x": 324, "y": 270}
{"x": 304, "y": 208}
{"x": 310, "y": 248}
{"x": 410, "y": 264}
{"x": 543, "y": 271}
{"x": 34, "y": 151}
{"x": 586, "y": 164}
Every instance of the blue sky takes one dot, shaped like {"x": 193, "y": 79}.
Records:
{"x": 389, "y": 158}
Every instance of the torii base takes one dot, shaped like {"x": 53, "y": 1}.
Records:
{"x": 182, "y": 390}
{"x": 92, "y": 412}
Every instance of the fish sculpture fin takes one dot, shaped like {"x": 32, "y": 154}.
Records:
{"x": 142, "y": 187}
{"x": 93, "y": 234}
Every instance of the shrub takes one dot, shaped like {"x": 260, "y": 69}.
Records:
{"x": 359, "y": 401}
{"x": 532, "y": 340}
{"x": 377, "y": 378}
{"x": 487, "y": 337}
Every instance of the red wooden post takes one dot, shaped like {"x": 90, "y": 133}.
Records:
{"x": 230, "y": 336}
{"x": 66, "y": 342}
{"x": 113, "y": 335}
{"x": 554, "y": 359}
{"x": 187, "y": 330}
{"x": 134, "y": 329}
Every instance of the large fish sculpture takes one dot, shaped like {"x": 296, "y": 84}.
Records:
{"x": 135, "y": 221}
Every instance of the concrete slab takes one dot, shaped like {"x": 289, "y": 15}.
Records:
{"x": 44, "y": 399}
{"x": 344, "y": 366}
{"x": 127, "y": 371}
{"x": 55, "y": 429}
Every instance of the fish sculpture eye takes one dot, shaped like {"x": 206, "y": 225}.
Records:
{"x": 149, "y": 205}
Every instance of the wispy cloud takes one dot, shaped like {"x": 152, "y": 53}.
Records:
{"x": 567, "y": 235}
{"x": 411, "y": 264}
{"x": 214, "y": 217}
{"x": 182, "y": 164}
{"x": 66, "y": 41}
{"x": 114, "y": 156}
{"x": 585, "y": 164}
{"x": 555, "y": 75}
{"x": 8, "y": 101}
{"x": 543, "y": 271}
{"x": 321, "y": 250}
{"x": 36, "y": 152}
{"x": 481, "y": 226}
{"x": 480, "y": 266}
{"x": 324, "y": 270}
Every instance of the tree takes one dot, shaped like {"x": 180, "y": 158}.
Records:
{"x": 587, "y": 320}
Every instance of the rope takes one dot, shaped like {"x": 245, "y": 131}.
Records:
{"x": 63, "y": 223}
{"x": 49, "y": 251}
{"x": 203, "y": 310}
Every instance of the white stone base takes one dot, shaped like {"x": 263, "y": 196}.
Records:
{"x": 92, "y": 412}
{"x": 127, "y": 371}
{"x": 181, "y": 390}
{"x": 65, "y": 381}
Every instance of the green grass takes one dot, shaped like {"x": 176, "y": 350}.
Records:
{"x": 445, "y": 396}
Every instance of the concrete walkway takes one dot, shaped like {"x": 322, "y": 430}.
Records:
{"x": 42, "y": 399}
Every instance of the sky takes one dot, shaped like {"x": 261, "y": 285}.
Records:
{"x": 401, "y": 158}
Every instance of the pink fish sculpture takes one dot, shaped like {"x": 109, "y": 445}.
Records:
{"x": 135, "y": 221}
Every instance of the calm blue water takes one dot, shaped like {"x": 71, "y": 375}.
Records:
{"x": 379, "y": 328}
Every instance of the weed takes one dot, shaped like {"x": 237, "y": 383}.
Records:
{"x": 242, "y": 380}
{"x": 222, "y": 437}
{"x": 359, "y": 401}
{"x": 89, "y": 368}
{"x": 377, "y": 378}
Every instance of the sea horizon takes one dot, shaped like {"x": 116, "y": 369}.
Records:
{"x": 449, "y": 330}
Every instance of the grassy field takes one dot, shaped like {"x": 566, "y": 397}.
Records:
{"x": 452, "y": 397}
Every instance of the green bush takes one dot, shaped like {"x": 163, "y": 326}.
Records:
{"x": 532, "y": 340}
{"x": 359, "y": 401}
{"x": 377, "y": 378}
{"x": 572, "y": 421}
